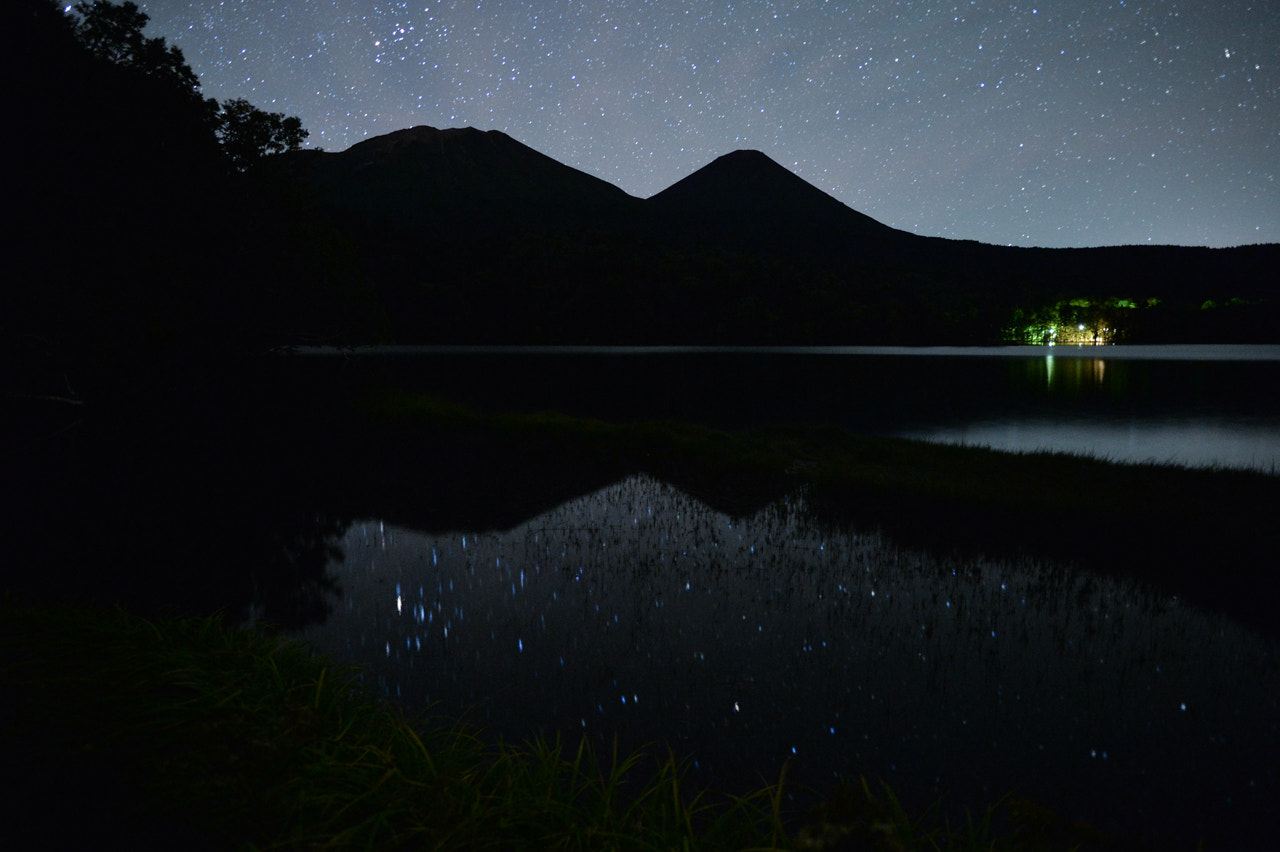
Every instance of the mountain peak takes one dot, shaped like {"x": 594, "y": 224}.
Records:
{"x": 423, "y": 141}
{"x": 746, "y": 174}
{"x": 745, "y": 156}
{"x": 751, "y": 189}
{"x": 426, "y": 171}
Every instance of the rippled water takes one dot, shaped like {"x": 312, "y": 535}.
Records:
{"x": 639, "y": 613}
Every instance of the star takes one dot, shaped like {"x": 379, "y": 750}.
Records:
{"x": 1080, "y": 124}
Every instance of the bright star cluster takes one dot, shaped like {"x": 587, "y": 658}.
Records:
{"x": 1045, "y": 122}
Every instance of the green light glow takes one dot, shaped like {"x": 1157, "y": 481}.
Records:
{"x": 1072, "y": 322}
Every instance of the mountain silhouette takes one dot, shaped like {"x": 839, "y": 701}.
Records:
{"x": 423, "y": 173}
{"x": 748, "y": 194}
{"x": 469, "y": 236}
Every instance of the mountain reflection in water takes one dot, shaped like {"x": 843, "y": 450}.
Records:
{"x": 638, "y": 613}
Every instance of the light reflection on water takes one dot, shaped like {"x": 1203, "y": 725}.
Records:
{"x": 1128, "y": 410}
{"x": 1221, "y": 442}
{"x": 639, "y": 613}
{"x": 1196, "y": 405}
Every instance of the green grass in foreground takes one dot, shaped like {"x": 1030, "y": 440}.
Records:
{"x": 187, "y": 734}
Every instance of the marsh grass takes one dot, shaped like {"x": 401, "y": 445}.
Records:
{"x": 778, "y": 458}
{"x": 184, "y": 733}
{"x": 1053, "y": 504}
{"x": 1208, "y": 535}
{"x": 187, "y": 732}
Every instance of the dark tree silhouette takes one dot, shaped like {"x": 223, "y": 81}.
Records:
{"x": 247, "y": 133}
{"x": 187, "y": 264}
{"x": 146, "y": 285}
{"x": 114, "y": 33}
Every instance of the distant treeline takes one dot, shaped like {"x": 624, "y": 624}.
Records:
{"x": 643, "y": 284}
{"x": 471, "y": 237}
{"x": 156, "y": 226}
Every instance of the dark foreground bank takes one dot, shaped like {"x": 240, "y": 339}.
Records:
{"x": 188, "y": 734}
{"x": 177, "y": 732}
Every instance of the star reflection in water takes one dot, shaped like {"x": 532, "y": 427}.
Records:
{"x": 746, "y": 644}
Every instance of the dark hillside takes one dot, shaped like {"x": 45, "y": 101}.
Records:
{"x": 137, "y": 253}
{"x": 138, "y": 240}
{"x": 747, "y": 196}
{"x": 423, "y": 175}
{"x": 471, "y": 236}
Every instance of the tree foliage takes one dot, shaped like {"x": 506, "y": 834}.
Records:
{"x": 114, "y": 33}
{"x": 183, "y": 260}
{"x": 247, "y": 133}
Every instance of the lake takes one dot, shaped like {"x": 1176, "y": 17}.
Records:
{"x": 628, "y": 608}
{"x": 1193, "y": 405}
{"x": 747, "y": 644}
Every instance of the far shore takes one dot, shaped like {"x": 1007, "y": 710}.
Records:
{"x": 1157, "y": 352}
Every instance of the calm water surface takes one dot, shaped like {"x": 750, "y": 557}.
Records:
{"x": 638, "y": 613}
{"x": 1193, "y": 405}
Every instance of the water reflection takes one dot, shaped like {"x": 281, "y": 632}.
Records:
{"x": 1225, "y": 393}
{"x": 1076, "y": 375}
{"x": 1122, "y": 410}
{"x": 1221, "y": 442}
{"x": 638, "y": 613}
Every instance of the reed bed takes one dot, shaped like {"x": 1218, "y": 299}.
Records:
{"x": 1153, "y": 519}
{"x": 188, "y": 732}
{"x": 185, "y": 733}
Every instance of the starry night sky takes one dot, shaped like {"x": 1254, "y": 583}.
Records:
{"x": 1047, "y": 122}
